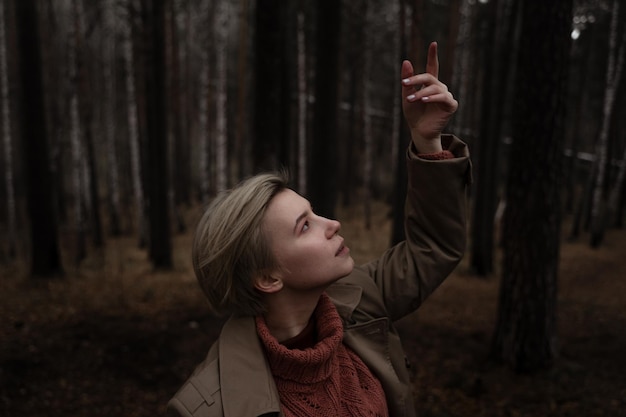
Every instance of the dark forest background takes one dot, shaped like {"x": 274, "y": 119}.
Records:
{"x": 119, "y": 118}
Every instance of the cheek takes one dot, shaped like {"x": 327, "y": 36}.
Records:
{"x": 301, "y": 258}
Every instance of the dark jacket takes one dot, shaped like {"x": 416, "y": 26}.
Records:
{"x": 235, "y": 379}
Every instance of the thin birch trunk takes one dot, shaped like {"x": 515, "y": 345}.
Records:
{"x": 133, "y": 127}
{"x": 203, "y": 129}
{"x": 617, "y": 190}
{"x": 302, "y": 105}
{"x": 75, "y": 136}
{"x": 598, "y": 207}
{"x": 110, "y": 30}
{"x": 242, "y": 145}
{"x": 86, "y": 109}
{"x": 367, "y": 124}
{"x": 460, "y": 76}
{"x": 176, "y": 141}
{"x": 7, "y": 140}
{"x": 188, "y": 102}
{"x": 221, "y": 136}
{"x": 613, "y": 203}
{"x": 397, "y": 102}
{"x": 572, "y": 162}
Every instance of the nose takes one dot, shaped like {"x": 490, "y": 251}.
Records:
{"x": 332, "y": 228}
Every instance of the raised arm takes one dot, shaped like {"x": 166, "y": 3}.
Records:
{"x": 435, "y": 209}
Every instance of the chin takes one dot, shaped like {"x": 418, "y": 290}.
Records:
{"x": 349, "y": 269}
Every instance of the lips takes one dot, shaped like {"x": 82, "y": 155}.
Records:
{"x": 342, "y": 249}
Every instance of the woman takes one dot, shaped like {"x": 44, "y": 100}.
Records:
{"x": 310, "y": 333}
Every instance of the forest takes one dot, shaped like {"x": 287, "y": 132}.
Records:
{"x": 121, "y": 120}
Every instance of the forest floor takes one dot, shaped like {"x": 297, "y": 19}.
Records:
{"x": 115, "y": 338}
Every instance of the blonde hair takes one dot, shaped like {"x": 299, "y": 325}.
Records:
{"x": 230, "y": 249}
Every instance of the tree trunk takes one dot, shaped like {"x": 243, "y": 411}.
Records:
{"x": 175, "y": 141}
{"x": 160, "y": 251}
{"x": 45, "y": 259}
{"x": 133, "y": 127}
{"x": 242, "y": 130}
{"x": 271, "y": 120}
{"x": 182, "y": 80}
{"x": 302, "y": 105}
{"x": 614, "y": 72}
{"x": 582, "y": 61}
{"x": 525, "y": 333}
{"x": 114, "y": 200}
{"x": 80, "y": 243}
{"x": 7, "y": 139}
{"x": 322, "y": 181}
{"x": 453, "y": 26}
{"x": 400, "y": 171}
{"x": 460, "y": 82}
{"x": 204, "y": 134}
{"x": 366, "y": 121}
{"x": 486, "y": 156}
{"x": 355, "y": 55}
{"x": 85, "y": 99}
{"x": 495, "y": 63}
{"x": 221, "y": 94}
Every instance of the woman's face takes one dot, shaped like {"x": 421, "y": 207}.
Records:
{"x": 309, "y": 250}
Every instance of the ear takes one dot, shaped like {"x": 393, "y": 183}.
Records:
{"x": 268, "y": 283}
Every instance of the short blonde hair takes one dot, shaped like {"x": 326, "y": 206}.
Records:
{"x": 230, "y": 249}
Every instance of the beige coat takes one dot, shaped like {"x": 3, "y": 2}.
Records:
{"x": 235, "y": 379}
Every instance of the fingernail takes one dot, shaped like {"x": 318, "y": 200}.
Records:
{"x": 425, "y": 98}
{"x": 406, "y": 81}
{"x": 411, "y": 97}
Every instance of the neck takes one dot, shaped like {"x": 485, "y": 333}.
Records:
{"x": 286, "y": 317}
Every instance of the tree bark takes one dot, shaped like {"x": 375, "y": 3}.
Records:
{"x": 221, "y": 94}
{"x": 487, "y": 150}
{"x": 500, "y": 28}
{"x": 80, "y": 243}
{"x": 322, "y": 180}
{"x": 614, "y": 73}
{"x": 400, "y": 168}
{"x": 7, "y": 139}
{"x": 45, "y": 254}
{"x": 113, "y": 181}
{"x": 460, "y": 81}
{"x": 175, "y": 141}
{"x": 271, "y": 114}
{"x": 133, "y": 126}
{"x": 302, "y": 105}
{"x": 160, "y": 251}
{"x": 366, "y": 121}
{"x": 86, "y": 109}
{"x": 525, "y": 333}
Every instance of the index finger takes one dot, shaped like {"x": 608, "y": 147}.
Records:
{"x": 432, "y": 62}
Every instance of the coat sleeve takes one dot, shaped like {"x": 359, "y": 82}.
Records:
{"x": 435, "y": 229}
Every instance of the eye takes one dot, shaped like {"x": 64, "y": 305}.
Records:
{"x": 305, "y": 226}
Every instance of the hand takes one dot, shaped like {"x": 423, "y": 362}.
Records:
{"x": 427, "y": 104}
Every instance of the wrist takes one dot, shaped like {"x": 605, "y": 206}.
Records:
{"x": 426, "y": 145}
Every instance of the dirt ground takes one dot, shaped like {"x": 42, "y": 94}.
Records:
{"x": 115, "y": 338}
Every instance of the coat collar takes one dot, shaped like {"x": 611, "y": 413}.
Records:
{"x": 247, "y": 385}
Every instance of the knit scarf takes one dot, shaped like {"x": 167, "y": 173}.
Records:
{"x": 328, "y": 379}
